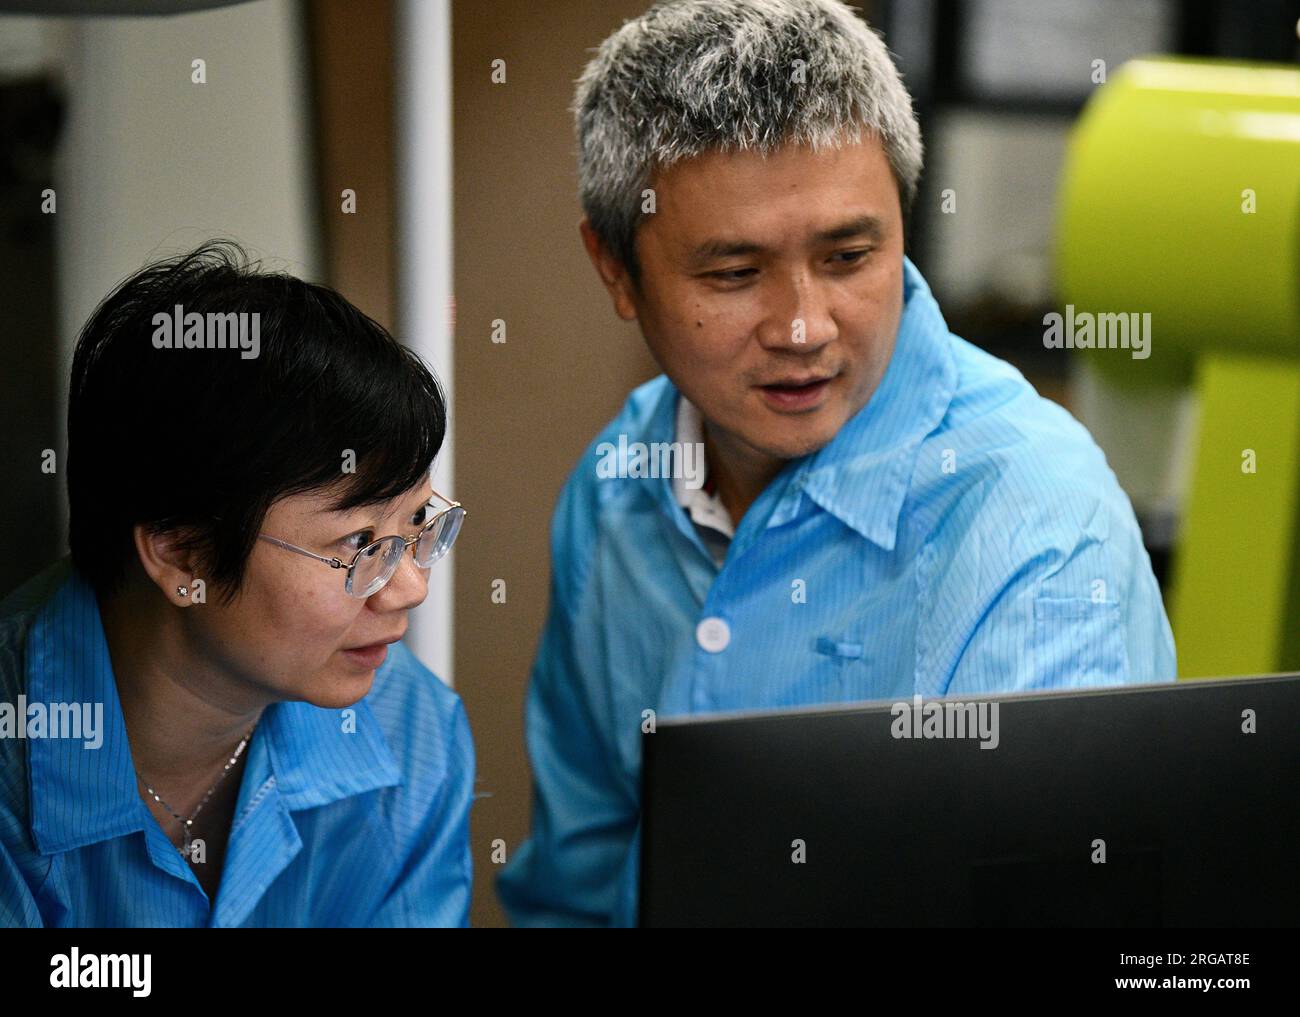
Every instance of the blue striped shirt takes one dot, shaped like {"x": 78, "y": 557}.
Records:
{"x": 959, "y": 535}
{"x": 332, "y": 827}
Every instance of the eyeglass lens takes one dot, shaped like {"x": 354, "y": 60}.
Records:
{"x": 378, "y": 562}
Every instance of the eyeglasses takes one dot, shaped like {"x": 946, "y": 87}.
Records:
{"x": 375, "y": 564}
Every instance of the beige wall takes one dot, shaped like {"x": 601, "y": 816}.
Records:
{"x": 150, "y": 164}
{"x": 524, "y": 409}
{"x": 352, "y": 82}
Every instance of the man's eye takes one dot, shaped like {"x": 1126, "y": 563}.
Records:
{"x": 733, "y": 274}
{"x": 849, "y": 257}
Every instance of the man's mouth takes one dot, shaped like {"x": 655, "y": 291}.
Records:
{"x": 796, "y": 393}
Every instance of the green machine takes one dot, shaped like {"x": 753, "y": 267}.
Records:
{"x": 1181, "y": 199}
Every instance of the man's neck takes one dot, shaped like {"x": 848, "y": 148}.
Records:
{"x": 740, "y": 473}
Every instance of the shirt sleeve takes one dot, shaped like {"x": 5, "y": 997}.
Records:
{"x": 571, "y": 871}
{"x": 1051, "y": 597}
{"x": 18, "y": 908}
{"x": 433, "y": 889}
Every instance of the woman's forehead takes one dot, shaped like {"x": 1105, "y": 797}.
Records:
{"x": 324, "y": 504}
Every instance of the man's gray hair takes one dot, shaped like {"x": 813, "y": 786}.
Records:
{"x": 691, "y": 76}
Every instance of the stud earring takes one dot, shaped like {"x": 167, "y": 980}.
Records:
{"x": 184, "y": 591}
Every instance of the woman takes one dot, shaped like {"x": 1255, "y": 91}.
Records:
{"x": 219, "y": 724}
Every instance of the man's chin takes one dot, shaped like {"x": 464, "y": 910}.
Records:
{"x": 795, "y": 446}
{"x": 783, "y": 436}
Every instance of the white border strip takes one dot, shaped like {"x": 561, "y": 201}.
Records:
{"x": 422, "y": 30}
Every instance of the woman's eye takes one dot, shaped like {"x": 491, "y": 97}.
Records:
{"x": 358, "y": 540}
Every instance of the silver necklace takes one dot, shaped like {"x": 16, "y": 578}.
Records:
{"x": 187, "y": 825}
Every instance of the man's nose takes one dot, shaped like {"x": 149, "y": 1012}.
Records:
{"x": 797, "y": 314}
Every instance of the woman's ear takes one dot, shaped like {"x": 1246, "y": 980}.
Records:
{"x": 167, "y": 562}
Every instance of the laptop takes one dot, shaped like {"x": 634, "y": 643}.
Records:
{"x": 1131, "y": 806}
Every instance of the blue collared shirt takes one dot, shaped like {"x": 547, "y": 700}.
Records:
{"x": 959, "y": 535}
{"x": 344, "y": 817}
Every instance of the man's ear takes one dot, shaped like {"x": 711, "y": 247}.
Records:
{"x": 611, "y": 272}
{"x": 168, "y": 566}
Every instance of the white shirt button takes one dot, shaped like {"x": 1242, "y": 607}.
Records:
{"x": 713, "y": 634}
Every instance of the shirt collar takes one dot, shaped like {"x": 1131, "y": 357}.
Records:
{"x": 83, "y": 795}
{"x": 703, "y": 506}
{"x": 863, "y": 475}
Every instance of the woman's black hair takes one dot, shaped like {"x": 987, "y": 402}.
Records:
{"x": 201, "y": 442}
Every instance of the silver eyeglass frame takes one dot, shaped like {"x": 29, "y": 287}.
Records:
{"x": 407, "y": 542}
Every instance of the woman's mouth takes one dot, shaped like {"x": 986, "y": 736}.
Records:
{"x": 367, "y": 656}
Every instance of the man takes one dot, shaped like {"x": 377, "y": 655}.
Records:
{"x": 887, "y": 510}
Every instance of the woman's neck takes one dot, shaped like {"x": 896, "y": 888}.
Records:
{"x": 183, "y": 717}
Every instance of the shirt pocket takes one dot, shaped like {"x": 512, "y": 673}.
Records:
{"x": 839, "y": 649}
{"x": 1078, "y": 641}
{"x": 840, "y": 670}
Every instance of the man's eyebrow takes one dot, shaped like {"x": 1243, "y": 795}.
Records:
{"x": 718, "y": 248}
{"x": 862, "y": 226}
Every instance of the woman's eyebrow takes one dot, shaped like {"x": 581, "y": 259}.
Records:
{"x": 416, "y": 506}
{"x": 372, "y": 521}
